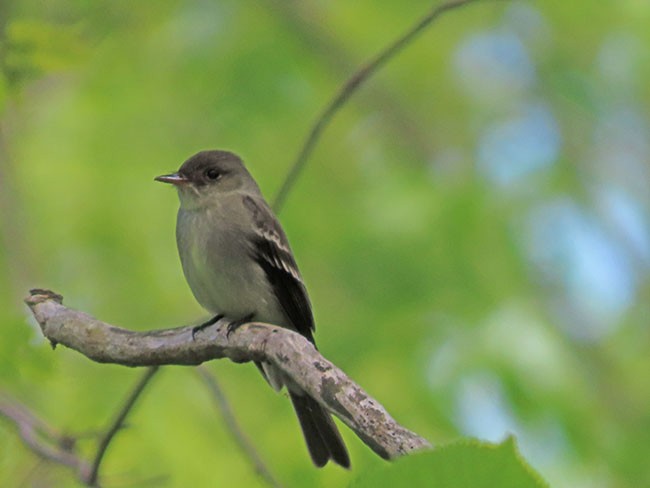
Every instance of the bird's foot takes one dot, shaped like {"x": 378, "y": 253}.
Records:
{"x": 210, "y": 322}
{"x": 233, "y": 326}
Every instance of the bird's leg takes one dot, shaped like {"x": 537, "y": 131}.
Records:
{"x": 208, "y": 323}
{"x": 236, "y": 324}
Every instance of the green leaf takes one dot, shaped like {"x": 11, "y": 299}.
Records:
{"x": 463, "y": 464}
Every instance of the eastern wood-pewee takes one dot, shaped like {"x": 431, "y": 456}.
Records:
{"x": 237, "y": 261}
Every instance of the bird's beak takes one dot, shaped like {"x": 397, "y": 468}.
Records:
{"x": 174, "y": 178}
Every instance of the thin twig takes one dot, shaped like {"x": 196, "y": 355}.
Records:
{"x": 117, "y": 424}
{"x": 236, "y": 431}
{"x": 351, "y": 86}
{"x": 306, "y": 22}
{"x": 42, "y": 439}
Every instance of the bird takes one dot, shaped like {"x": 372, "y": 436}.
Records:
{"x": 238, "y": 263}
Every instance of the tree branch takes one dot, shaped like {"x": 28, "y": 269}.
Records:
{"x": 287, "y": 350}
{"x": 351, "y": 86}
{"x": 49, "y": 444}
{"x": 42, "y": 439}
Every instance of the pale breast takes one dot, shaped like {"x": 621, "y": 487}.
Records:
{"x": 217, "y": 264}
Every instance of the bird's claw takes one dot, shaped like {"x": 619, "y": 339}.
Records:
{"x": 210, "y": 322}
{"x": 236, "y": 324}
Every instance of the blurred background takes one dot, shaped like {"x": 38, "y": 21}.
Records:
{"x": 473, "y": 228}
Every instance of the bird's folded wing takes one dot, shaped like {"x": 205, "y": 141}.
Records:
{"x": 270, "y": 249}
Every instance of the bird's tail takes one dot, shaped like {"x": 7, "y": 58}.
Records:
{"x": 321, "y": 435}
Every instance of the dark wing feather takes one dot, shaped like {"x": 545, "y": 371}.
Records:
{"x": 271, "y": 251}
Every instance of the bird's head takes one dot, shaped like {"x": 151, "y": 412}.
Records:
{"x": 207, "y": 175}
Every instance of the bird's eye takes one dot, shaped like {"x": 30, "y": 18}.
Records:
{"x": 212, "y": 174}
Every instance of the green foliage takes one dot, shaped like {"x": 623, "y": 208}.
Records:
{"x": 33, "y": 48}
{"x": 462, "y": 464}
{"x": 472, "y": 227}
